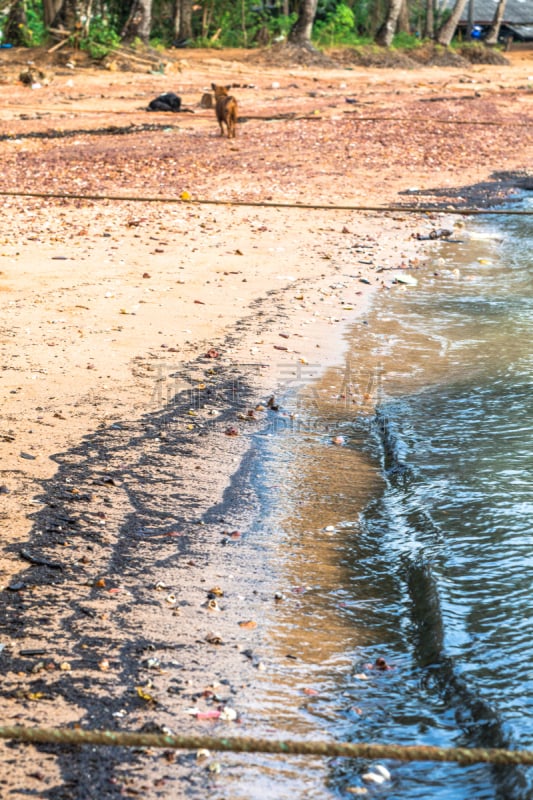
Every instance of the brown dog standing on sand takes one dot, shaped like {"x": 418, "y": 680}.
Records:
{"x": 226, "y": 110}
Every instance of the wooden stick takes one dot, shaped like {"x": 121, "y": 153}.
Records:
{"x": 58, "y": 46}
{"x": 139, "y": 59}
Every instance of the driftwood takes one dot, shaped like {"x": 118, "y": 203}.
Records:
{"x": 122, "y": 53}
{"x": 119, "y": 52}
{"x": 65, "y": 36}
{"x": 59, "y": 45}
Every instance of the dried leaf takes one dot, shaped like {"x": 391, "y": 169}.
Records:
{"x": 144, "y": 695}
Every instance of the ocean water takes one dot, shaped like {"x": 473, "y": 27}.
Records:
{"x": 397, "y": 498}
{"x": 449, "y": 538}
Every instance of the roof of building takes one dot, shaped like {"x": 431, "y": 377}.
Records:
{"x": 524, "y": 32}
{"x": 519, "y": 12}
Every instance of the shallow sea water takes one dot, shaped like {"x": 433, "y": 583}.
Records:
{"x": 409, "y": 539}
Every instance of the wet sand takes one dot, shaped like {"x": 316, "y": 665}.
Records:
{"x": 140, "y": 345}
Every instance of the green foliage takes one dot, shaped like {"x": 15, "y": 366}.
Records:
{"x": 101, "y": 38}
{"x": 137, "y": 44}
{"x": 345, "y": 25}
{"x": 362, "y": 10}
{"x": 272, "y": 29}
{"x": 162, "y": 31}
{"x": 468, "y": 47}
{"x": 231, "y": 23}
{"x": 337, "y": 28}
{"x": 283, "y": 25}
{"x": 206, "y": 42}
{"x": 238, "y": 24}
{"x": 33, "y": 32}
{"x": 406, "y": 41}
{"x": 158, "y": 45}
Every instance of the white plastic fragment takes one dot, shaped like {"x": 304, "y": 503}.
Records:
{"x": 383, "y": 771}
{"x": 373, "y": 777}
{"x": 407, "y": 280}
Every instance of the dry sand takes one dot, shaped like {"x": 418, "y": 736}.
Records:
{"x": 141, "y": 341}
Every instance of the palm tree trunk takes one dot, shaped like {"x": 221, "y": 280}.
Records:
{"x": 403, "y": 25}
{"x": 385, "y": 34}
{"x": 429, "y": 28}
{"x": 51, "y": 9}
{"x": 446, "y": 32}
{"x": 301, "y": 31}
{"x": 494, "y": 31}
{"x": 14, "y": 24}
{"x": 139, "y": 23}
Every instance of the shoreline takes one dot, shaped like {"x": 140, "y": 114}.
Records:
{"x": 137, "y": 508}
{"x": 67, "y": 328}
{"x": 135, "y": 504}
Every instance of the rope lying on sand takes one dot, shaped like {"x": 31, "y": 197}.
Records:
{"x": 290, "y": 116}
{"x": 396, "y": 209}
{"x": 109, "y": 130}
{"x": 459, "y": 755}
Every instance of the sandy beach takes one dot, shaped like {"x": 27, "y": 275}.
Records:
{"x": 143, "y": 340}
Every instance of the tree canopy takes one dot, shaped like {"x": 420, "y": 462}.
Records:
{"x": 99, "y": 25}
